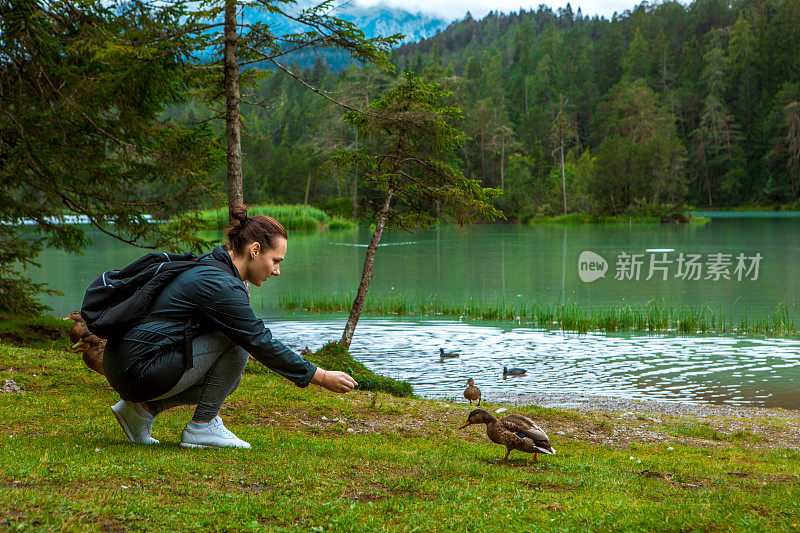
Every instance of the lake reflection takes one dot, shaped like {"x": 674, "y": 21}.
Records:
{"x": 722, "y": 370}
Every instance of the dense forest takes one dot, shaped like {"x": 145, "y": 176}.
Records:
{"x": 662, "y": 106}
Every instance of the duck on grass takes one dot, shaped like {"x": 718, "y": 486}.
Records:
{"x": 515, "y": 432}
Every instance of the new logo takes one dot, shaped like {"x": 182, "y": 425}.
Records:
{"x": 591, "y": 266}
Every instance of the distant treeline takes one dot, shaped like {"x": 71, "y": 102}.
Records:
{"x": 662, "y": 106}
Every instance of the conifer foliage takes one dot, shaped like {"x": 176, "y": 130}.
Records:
{"x": 82, "y": 87}
{"x": 407, "y": 169}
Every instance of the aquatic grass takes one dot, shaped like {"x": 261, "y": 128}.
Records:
{"x": 341, "y": 223}
{"x": 292, "y": 217}
{"x": 653, "y": 317}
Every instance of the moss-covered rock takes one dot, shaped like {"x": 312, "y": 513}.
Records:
{"x": 333, "y": 356}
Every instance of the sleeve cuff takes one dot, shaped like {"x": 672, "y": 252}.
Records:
{"x": 306, "y": 379}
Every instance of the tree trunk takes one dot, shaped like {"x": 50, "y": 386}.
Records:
{"x": 233, "y": 125}
{"x": 563, "y": 179}
{"x": 355, "y": 197}
{"x": 502, "y": 164}
{"x": 355, "y": 183}
{"x": 366, "y": 275}
{"x": 308, "y": 188}
{"x": 526, "y": 95}
{"x": 483, "y": 163}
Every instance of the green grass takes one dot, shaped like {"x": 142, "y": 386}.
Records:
{"x": 292, "y": 217}
{"x": 655, "y": 316}
{"x": 586, "y": 218}
{"x": 38, "y": 331}
{"x": 333, "y": 357}
{"x": 324, "y": 462}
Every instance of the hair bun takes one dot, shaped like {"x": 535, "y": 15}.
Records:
{"x": 239, "y": 212}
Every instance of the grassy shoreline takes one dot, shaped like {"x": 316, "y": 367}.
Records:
{"x": 653, "y": 317}
{"x": 305, "y": 217}
{"x": 292, "y": 217}
{"x": 586, "y": 218}
{"x": 325, "y": 462}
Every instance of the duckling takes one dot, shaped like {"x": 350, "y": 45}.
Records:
{"x": 447, "y": 355}
{"x": 515, "y": 432}
{"x": 513, "y": 372}
{"x": 78, "y": 328}
{"x": 93, "y": 348}
{"x": 472, "y": 392}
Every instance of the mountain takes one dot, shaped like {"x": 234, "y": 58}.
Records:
{"x": 387, "y": 21}
{"x": 373, "y": 21}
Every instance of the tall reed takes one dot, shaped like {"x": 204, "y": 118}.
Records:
{"x": 654, "y": 316}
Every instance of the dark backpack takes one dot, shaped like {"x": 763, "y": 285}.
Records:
{"x": 120, "y": 299}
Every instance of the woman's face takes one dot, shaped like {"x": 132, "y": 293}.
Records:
{"x": 266, "y": 262}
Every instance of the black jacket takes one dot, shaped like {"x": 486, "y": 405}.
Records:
{"x": 149, "y": 360}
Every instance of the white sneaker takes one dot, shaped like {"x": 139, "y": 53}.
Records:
{"x": 137, "y": 428}
{"x": 211, "y": 435}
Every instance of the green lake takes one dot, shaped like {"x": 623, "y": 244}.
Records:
{"x": 535, "y": 263}
{"x": 735, "y": 266}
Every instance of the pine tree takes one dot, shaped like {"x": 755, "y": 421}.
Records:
{"x": 637, "y": 62}
{"x": 717, "y": 156}
{"x": 407, "y": 162}
{"x": 243, "y": 44}
{"x": 83, "y": 88}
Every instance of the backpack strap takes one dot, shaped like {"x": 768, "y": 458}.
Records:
{"x": 188, "y": 331}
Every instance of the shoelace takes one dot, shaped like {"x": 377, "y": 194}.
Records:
{"x": 217, "y": 422}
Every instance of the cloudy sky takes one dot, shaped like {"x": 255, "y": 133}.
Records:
{"x": 456, "y": 9}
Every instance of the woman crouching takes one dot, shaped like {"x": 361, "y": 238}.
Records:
{"x": 151, "y": 368}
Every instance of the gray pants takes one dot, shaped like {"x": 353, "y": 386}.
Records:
{"x": 217, "y": 371}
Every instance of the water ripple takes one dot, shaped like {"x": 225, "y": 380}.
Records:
{"x": 726, "y": 370}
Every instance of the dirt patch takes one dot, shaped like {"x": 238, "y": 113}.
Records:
{"x": 111, "y": 525}
{"x": 738, "y": 474}
{"x": 553, "y": 507}
{"x": 780, "y": 479}
{"x": 47, "y": 332}
{"x": 29, "y": 333}
{"x": 655, "y": 475}
{"x": 412, "y": 494}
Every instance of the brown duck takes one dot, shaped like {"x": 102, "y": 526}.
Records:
{"x": 472, "y": 393}
{"x": 93, "y": 348}
{"x": 515, "y": 432}
{"x": 78, "y": 328}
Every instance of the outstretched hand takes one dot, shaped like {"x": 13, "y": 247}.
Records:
{"x": 334, "y": 380}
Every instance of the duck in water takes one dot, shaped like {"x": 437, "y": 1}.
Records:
{"x": 447, "y": 355}
{"x": 513, "y": 372}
